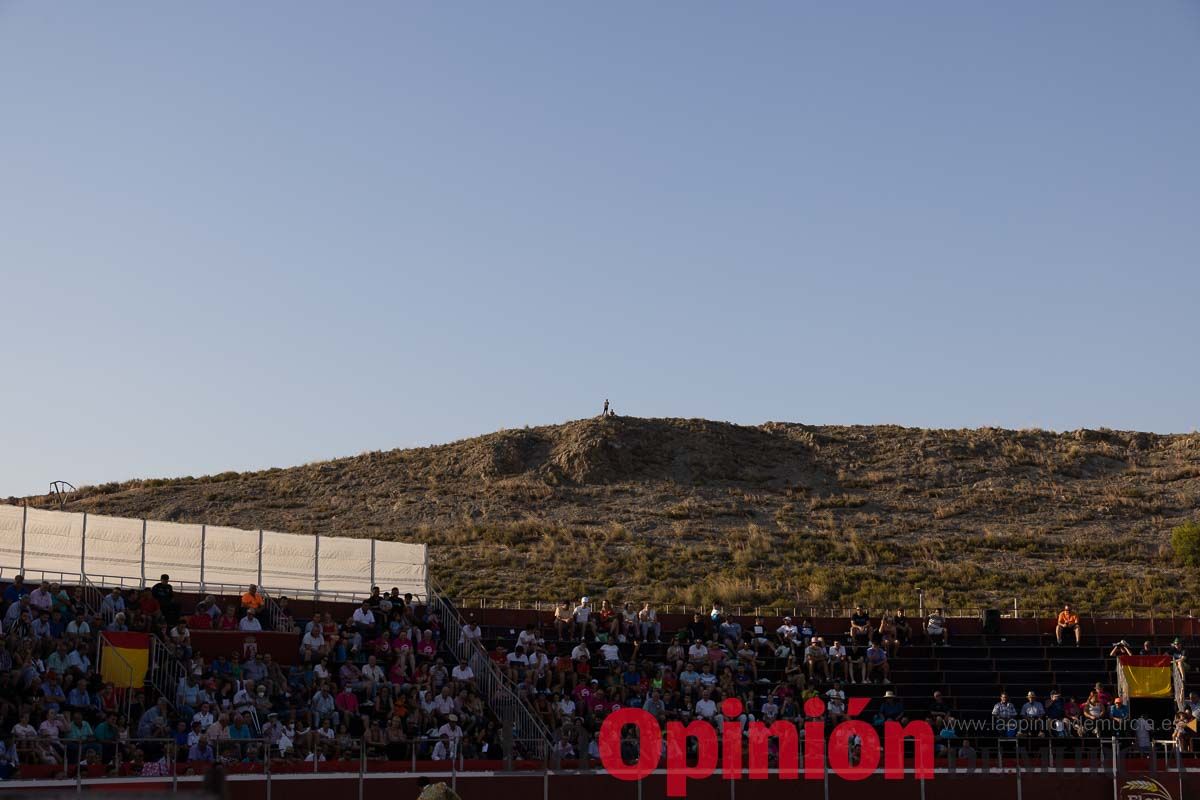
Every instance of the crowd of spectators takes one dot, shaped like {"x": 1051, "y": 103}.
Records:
{"x": 376, "y": 682}
{"x": 596, "y": 664}
{"x": 379, "y": 680}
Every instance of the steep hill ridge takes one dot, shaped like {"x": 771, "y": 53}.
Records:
{"x": 680, "y": 510}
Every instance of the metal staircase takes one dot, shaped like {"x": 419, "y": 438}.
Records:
{"x": 528, "y": 731}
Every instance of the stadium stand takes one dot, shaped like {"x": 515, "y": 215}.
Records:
{"x": 593, "y": 659}
{"x": 373, "y": 681}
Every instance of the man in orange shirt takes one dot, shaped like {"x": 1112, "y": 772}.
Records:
{"x": 252, "y": 599}
{"x": 1067, "y": 618}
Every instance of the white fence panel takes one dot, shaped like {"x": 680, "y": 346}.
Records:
{"x": 113, "y": 548}
{"x": 230, "y": 556}
{"x": 11, "y": 518}
{"x": 173, "y": 549}
{"x": 128, "y": 549}
{"x": 288, "y": 560}
{"x": 401, "y": 565}
{"x": 53, "y": 541}
{"x": 345, "y": 564}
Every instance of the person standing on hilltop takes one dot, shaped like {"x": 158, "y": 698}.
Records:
{"x": 604, "y": 413}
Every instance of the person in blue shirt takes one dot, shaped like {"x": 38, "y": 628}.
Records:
{"x": 201, "y": 750}
{"x": 238, "y": 729}
{"x": 80, "y": 698}
{"x": 181, "y": 735}
{"x": 57, "y": 626}
{"x": 16, "y": 590}
{"x": 1118, "y": 710}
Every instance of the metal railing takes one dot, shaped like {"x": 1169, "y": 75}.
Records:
{"x": 521, "y": 723}
{"x": 92, "y": 596}
{"x": 917, "y": 606}
{"x": 166, "y": 672}
{"x": 190, "y": 587}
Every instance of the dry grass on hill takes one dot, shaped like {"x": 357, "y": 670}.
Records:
{"x": 681, "y": 510}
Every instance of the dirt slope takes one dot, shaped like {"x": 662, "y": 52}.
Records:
{"x": 680, "y": 510}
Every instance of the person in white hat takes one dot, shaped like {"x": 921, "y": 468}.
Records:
{"x": 453, "y": 733}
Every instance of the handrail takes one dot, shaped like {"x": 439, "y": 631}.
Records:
{"x": 499, "y": 692}
{"x": 190, "y": 587}
{"x": 166, "y": 672}
{"x": 818, "y": 611}
{"x": 93, "y": 598}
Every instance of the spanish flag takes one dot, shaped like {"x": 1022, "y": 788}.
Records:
{"x": 124, "y": 658}
{"x": 1146, "y": 676}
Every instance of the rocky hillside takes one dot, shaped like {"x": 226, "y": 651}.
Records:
{"x": 680, "y": 511}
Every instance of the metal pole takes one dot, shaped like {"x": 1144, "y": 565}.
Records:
{"x": 372, "y": 563}
{"x": 83, "y": 548}
{"x": 1114, "y": 770}
{"x": 143, "y": 552}
{"x": 24, "y": 520}
{"x": 316, "y": 565}
{"x": 267, "y": 767}
{"x": 362, "y": 765}
{"x": 1018, "y": 773}
{"x": 203, "y": 538}
{"x": 260, "y": 543}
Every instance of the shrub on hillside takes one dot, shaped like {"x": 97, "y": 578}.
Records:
{"x": 1185, "y": 541}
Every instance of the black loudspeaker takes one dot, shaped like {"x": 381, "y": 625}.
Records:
{"x": 991, "y": 621}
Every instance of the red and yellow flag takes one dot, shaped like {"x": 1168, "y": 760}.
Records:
{"x": 1147, "y": 676}
{"x": 124, "y": 658}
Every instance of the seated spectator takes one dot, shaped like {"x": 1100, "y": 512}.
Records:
{"x": 860, "y": 625}
{"x": 936, "y": 629}
{"x": 112, "y": 604}
{"x": 1033, "y": 714}
{"x": 364, "y": 619}
{"x": 903, "y": 627}
{"x": 787, "y": 631}
{"x": 648, "y": 624}
{"x": 40, "y": 599}
{"x": 1068, "y": 620}
{"x": 1003, "y": 714}
{"x": 885, "y": 634}
{"x": 250, "y": 623}
{"x": 582, "y": 615}
{"x": 891, "y": 709}
{"x": 1147, "y": 649}
{"x": 1056, "y": 709}
{"x": 252, "y": 598}
{"x": 816, "y": 661}
{"x": 201, "y": 620}
{"x": 228, "y": 621}
{"x": 877, "y": 663}
{"x": 564, "y": 622}
{"x": 857, "y": 655}
{"x": 16, "y": 590}
{"x": 839, "y": 663}
{"x": 938, "y": 711}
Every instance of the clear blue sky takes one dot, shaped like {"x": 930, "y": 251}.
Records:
{"x": 246, "y": 235}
